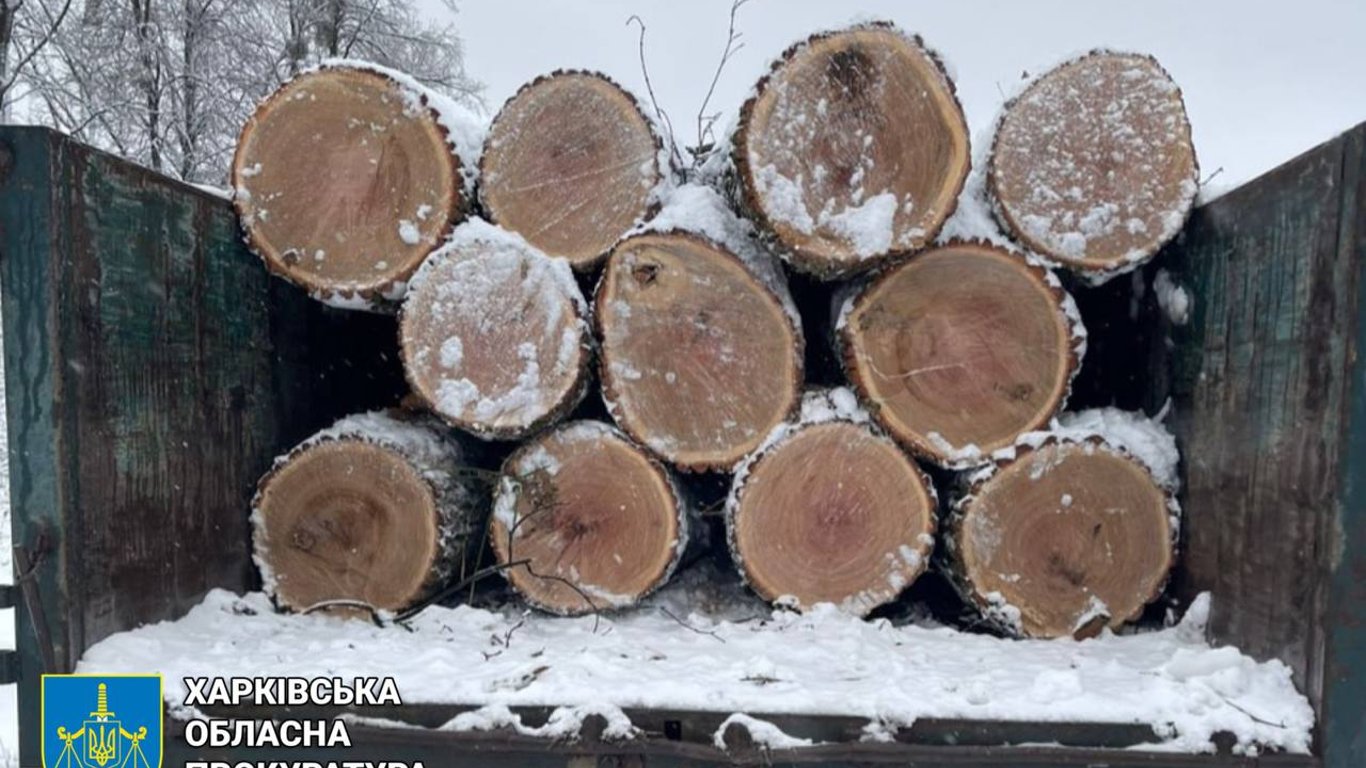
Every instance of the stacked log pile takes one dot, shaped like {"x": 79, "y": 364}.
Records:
{"x": 563, "y": 254}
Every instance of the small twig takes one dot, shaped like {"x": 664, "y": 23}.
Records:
{"x": 649, "y": 88}
{"x": 706, "y": 136}
{"x": 1254, "y": 718}
{"x": 686, "y": 625}
{"x": 455, "y": 588}
{"x": 1212, "y": 175}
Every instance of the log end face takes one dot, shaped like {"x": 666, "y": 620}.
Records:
{"x": 1093, "y": 164}
{"x": 344, "y": 181}
{"x": 699, "y": 359}
{"x": 598, "y": 522}
{"x": 832, "y": 513}
{"x": 571, "y": 163}
{"x": 961, "y": 350}
{"x": 494, "y": 334}
{"x": 346, "y": 519}
{"x": 1070, "y": 538}
{"x": 853, "y": 150}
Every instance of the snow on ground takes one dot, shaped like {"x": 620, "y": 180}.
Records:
{"x": 736, "y": 655}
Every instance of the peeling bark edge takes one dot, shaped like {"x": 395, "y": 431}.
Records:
{"x": 1093, "y": 274}
{"x": 609, "y": 385}
{"x": 853, "y": 298}
{"x": 741, "y": 188}
{"x": 684, "y": 532}
{"x": 666, "y": 173}
{"x": 382, "y": 296}
{"x": 995, "y": 614}
{"x": 462, "y": 508}
{"x": 790, "y": 429}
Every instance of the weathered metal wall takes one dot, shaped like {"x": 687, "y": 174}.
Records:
{"x": 1268, "y": 389}
{"x": 153, "y": 369}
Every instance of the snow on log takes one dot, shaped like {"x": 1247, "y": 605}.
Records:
{"x": 852, "y": 150}
{"x": 962, "y": 349}
{"x": 348, "y": 176}
{"x": 571, "y": 163}
{"x": 494, "y": 334}
{"x": 830, "y": 511}
{"x": 1070, "y": 531}
{"x": 701, "y": 346}
{"x": 376, "y": 509}
{"x": 588, "y": 520}
{"x": 1093, "y": 165}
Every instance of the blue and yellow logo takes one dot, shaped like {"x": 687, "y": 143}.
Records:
{"x": 102, "y": 721}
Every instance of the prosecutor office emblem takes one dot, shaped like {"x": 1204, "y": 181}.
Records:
{"x": 102, "y": 721}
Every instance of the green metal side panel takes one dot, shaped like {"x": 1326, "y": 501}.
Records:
{"x": 1259, "y": 383}
{"x": 153, "y": 370}
{"x": 33, "y": 383}
{"x": 1344, "y": 703}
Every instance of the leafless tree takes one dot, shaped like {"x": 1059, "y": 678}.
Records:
{"x": 169, "y": 82}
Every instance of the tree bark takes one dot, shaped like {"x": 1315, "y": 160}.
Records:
{"x": 345, "y": 180}
{"x": 586, "y": 520}
{"x": 1070, "y": 536}
{"x": 1093, "y": 166}
{"x": 852, "y": 151}
{"x": 961, "y": 350}
{"x": 831, "y": 511}
{"x": 571, "y": 163}
{"x": 701, "y": 349}
{"x": 494, "y": 334}
{"x": 379, "y": 508}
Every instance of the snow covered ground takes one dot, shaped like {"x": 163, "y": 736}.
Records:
{"x": 737, "y": 655}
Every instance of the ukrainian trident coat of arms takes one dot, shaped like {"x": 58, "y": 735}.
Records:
{"x": 83, "y": 729}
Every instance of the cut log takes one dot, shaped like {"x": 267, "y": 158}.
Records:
{"x": 494, "y": 334}
{"x": 831, "y": 511}
{"x": 378, "y": 508}
{"x": 961, "y": 350}
{"x": 347, "y": 177}
{"x": 1069, "y": 537}
{"x": 571, "y": 163}
{"x": 853, "y": 149}
{"x": 701, "y": 347}
{"x": 1093, "y": 164}
{"x": 587, "y": 519}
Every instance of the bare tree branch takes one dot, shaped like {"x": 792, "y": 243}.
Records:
{"x": 649, "y": 87}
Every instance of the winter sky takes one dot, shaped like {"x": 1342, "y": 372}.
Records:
{"x": 1264, "y": 79}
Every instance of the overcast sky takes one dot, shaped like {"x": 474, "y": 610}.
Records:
{"x": 1263, "y": 81}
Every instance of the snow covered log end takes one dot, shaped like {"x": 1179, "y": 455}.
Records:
{"x": 852, "y": 150}
{"x": 1064, "y": 535}
{"x": 494, "y": 334}
{"x": 572, "y": 163}
{"x": 830, "y": 511}
{"x": 375, "y": 509}
{"x": 586, "y": 520}
{"x": 346, "y": 178}
{"x": 962, "y": 349}
{"x": 1093, "y": 165}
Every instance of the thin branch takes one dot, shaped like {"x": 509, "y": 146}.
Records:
{"x": 706, "y": 137}
{"x": 649, "y": 88}
{"x": 686, "y": 625}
